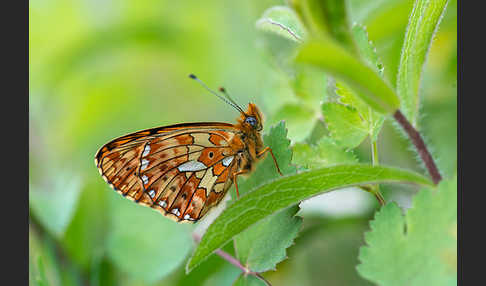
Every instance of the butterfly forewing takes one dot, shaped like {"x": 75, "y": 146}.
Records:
{"x": 181, "y": 170}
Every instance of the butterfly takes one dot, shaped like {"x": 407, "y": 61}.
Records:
{"x": 186, "y": 169}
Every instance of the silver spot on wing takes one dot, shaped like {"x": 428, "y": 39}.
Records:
{"x": 191, "y": 166}
{"x": 151, "y": 193}
{"x": 176, "y": 212}
{"x": 146, "y": 150}
{"x": 144, "y": 164}
{"x": 163, "y": 204}
{"x": 145, "y": 179}
{"x": 227, "y": 160}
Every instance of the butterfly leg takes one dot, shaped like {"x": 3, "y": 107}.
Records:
{"x": 234, "y": 180}
{"x": 273, "y": 156}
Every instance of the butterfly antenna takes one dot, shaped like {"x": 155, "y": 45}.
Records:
{"x": 228, "y": 101}
{"x": 223, "y": 90}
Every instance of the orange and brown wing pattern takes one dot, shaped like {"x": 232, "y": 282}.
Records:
{"x": 181, "y": 170}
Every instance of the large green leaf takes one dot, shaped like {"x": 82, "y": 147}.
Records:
{"x": 282, "y": 21}
{"x": 419, "y": 248}
{"x": 143, "y": 243}
{"x": 422, "y": 25}
{"x": 289, "y": 190}
{"x": 328, "y": 55}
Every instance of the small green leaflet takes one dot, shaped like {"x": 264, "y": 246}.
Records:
{"x": 324, "y": 153}
{"x": 344, "y": 124}
{"x": 263, "y": 245}
{"x": 282, "y": 21}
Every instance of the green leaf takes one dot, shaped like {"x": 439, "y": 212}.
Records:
{"x": 368, "y": 84}
{"x": 419, "y": 248}
{"x": 423, "y": 23}
{"x": 263, "y": 245}
{"x": 282, "y": 21}
{"x": 372, "y": 120}
{"x": 143, "y": 243}
{"x": 249, "y": 280}
{"x": 54, "y": 204}
{"x": 324, "y": 153}
{"x": 287, "y": 191}
{"x": 366, "y": 48}
{"x": 345, "y": 125}
{"x": 299, "y": 120}
{"x": 329, "y": 17}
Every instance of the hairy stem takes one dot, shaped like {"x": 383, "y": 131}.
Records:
{"x": 226, "y": 256}
{"x": 419, "y": 144}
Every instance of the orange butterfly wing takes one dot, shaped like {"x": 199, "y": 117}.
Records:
{"x": 180, "y": 170}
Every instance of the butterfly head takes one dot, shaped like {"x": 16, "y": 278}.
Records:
{"x": 252, "y": 118}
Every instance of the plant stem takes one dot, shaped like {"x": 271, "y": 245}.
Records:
{"x": 374, "y": 153}
{"x": 419, "y": 144}
{"x": 375, "y": 192}
{"x": 374, "y": 159}
{"x": 226, "y": 256}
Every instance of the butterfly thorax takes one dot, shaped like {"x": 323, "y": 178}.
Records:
{"x": 248, "y": 142}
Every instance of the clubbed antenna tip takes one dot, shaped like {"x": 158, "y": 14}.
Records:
{"x": 228, "y": 99}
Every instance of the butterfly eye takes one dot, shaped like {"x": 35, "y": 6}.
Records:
{"x": 251, "y": 120}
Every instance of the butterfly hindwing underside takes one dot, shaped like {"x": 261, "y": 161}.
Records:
{"x": 180, "y": 170}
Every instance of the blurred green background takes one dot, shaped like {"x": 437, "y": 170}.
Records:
{"x": 102, "y": 69}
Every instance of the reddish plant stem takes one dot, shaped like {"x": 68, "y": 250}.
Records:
{"x": 419, "y": 144}
{"x": 226, "y": 256}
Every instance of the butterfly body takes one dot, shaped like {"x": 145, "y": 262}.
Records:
{"x": 183, "y": 170}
